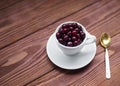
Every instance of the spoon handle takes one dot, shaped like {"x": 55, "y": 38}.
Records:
{"x": 107, "y": 63}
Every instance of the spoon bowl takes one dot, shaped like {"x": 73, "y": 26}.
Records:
{"x": 105, "y": 40}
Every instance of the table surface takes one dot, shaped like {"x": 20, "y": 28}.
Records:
{"x": 25, "y": 27}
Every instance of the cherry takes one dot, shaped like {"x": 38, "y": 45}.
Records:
{"x": 74, "y": 38}
{"x": 79, "y": 41}
{"x": 77, "y": 30}
{"x": 61, "y": 30}
{"x": 65, "y": 30}
{"x": 58, "y": 35}
{"x": 70, "y": 44}
{"x": 70, "y": 39}
{"x": 75, "y": 43}
{"x": 71, "y": 28}
{"x": 83, "y": 35}
{"x": 61, "y": 40}
{"x": 70, "y": 24}
{"x": 81, "y": 32}
{"x": 74, "y": 32}
{"x": 69, "y": 33}
{"x": 75, "y": 25}
{"x": 65, "y": 38}
{"x": 64, "y": 26}
{"x": 63, "y": 35}
{"x": 78, "y": 36}
{"x": 80, "y": 28}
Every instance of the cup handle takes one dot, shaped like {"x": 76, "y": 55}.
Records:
{"x": 90, "y": 39}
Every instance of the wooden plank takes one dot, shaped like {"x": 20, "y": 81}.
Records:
{"x": 8, "y": 3}
{"x": 29, "y": 16}
{"x": 33, "y": 62}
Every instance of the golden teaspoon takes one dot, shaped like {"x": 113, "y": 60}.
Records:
{"x": 105, "y": 40}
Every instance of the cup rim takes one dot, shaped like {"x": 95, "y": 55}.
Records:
{"x": 83, "y": 28}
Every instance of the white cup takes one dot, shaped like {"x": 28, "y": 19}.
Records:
{"x": 76, "y": 49}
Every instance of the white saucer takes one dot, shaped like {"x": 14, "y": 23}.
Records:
{"x": 80, "y": 60}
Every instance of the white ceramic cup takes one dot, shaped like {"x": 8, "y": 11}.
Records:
{"x": 76, "y": 49}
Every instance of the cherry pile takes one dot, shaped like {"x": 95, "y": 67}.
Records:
{"x": 70, "y": 34}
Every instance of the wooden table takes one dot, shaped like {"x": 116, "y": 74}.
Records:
{"x": 25, "y": 27}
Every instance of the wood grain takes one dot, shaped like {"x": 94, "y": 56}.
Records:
{"x": 23, "y": 19}
{"x": 8, "y": 3}
{"x": 25, "y": 62}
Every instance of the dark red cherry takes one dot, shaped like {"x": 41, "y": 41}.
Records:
{"x": 61, "y": 30}
{"x": 70, "y": 44}
{"x": 64, "y": 26}
{"x": 69, "y": 39}
{"x": 69, "y": 33}
{"x": 71, "y": 28}
{"x": 63, "y": 35}
{"x": 61, "y": 40}
{"x": 78, "y": 36}
{"x": 81, "y": 32}
{"x": 58, "y": 35}
{"x": 83, "y": 35}
{"x": 77, "y": 30}
{"x": 79, "y": 41}
{"x": 75, "y": 43}
{"x": 74, "y": 38}
{"x": 66, "y": 38}
{"x": 65, "y": 30}
{"x": 74, "y": 32}
{"x": 80, "y": 28}
{"x": 70, "y": 24}
{"x": 75, "y": 25}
